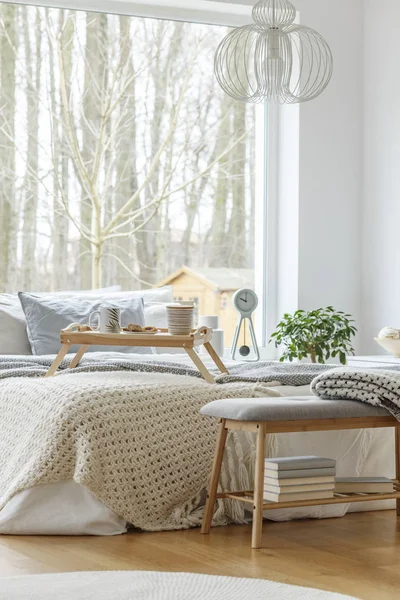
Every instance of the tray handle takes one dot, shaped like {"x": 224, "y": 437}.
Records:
{"x": 202, "y": 335}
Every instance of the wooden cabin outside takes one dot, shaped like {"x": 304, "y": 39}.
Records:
{"x": 211, "y": 291}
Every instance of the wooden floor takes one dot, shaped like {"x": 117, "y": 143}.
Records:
{"x": 357, "y": 555}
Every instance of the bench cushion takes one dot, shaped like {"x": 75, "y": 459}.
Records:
{"x": 289, "y": 409}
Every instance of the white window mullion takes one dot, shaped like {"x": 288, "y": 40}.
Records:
{"x": 265, "y": 263}
{"x": 260, "y": 246}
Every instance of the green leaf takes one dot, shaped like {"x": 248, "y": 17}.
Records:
{"x": 324, "y": 332}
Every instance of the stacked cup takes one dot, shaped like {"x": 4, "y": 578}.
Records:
{"x": 180, "y": 319}
{"x": 217, "y": 342}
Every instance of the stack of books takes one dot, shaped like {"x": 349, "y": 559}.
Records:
{"x": 299, "y": 478}
{"x": 363, "y": 485}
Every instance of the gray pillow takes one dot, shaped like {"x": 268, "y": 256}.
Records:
{"x": 47, "y": 315}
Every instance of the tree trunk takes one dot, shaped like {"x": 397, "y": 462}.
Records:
{"x": 217, "y": 236}
{"x": 127, "y": 182}
{"x": 61, "y": 174}
{"x": 97, "y": 254}
{"x": 31, "y": 188}
{"x": 150, "y": 243}
{"x": 237, "y": 224}
{"x": 9, "y": 15}
{"x": 96, "y": 27}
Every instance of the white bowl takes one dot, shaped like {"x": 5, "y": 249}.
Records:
{"x": 392, "y": 346}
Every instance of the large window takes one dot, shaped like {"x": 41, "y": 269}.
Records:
{"x": 121, "y": 159}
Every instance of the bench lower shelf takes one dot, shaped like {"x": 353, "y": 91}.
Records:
{"x": 247, "y": 497}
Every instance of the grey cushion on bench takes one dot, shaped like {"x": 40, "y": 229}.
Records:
{"x": 289, "y": 409}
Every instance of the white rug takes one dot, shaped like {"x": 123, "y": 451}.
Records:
{"x": 149, "y": 585}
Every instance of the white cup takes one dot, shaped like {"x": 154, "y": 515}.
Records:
{"x": 211, "y": 321}
{"x": 108, "y": 319}
{"x": 180, "y": 319}
{"x": 217, "y": 342}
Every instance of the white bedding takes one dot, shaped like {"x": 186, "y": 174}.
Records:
{"x": 65, "y": 508}
{"x": 70, "y": 509}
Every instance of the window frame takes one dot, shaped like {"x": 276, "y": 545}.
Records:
{"x": 208, "y": 12}
{"x": 266, "y": 225}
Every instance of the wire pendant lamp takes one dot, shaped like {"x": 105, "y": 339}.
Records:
{"x": 273, "y": 59}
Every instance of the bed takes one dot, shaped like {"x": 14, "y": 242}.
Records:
{"x": 67, "y": 507}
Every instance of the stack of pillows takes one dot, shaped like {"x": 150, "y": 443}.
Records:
{"x": 31, "y": 323}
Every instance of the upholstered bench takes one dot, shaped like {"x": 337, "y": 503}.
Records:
{"x": 287, "y": 415}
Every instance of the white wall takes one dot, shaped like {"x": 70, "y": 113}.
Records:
{"x": 319, "y": 208}
{"x": 331, "y": 137}
{"x": 330, "y": 169}
{"x": 381, "y": 210}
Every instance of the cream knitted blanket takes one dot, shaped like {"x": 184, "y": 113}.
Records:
{"x": 135, "y": 440}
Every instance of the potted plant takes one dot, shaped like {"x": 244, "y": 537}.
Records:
{"x": 319, "y": 334}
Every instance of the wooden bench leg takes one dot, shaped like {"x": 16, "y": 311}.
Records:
{"x": 215, "y": 473}
{"x": 397, "y": 460}
{"x": 258, "y": 488}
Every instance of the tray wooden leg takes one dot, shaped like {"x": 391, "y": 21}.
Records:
{"x": 58, "y": 359}
{"x": 397, "y": 460}
{"x": 215, "y": 473}
{"x": 78, "y": 356}
{"x": 216, "y": 358}
{"x": 200, "y": 365}
{"x": 258, "y": 488}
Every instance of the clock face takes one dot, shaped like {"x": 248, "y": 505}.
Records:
{"x": 245, "y": 301}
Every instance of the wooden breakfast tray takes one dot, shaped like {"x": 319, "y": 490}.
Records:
{"x": 199, "y": 337}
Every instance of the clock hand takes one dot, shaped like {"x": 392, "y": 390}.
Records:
{"x": 243, "y": 299}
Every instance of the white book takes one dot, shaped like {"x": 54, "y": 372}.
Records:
{"x": 308, "y": 487}
{"x": 299, "y": 473}
{"x": 296, "y": 497}
{"x": 293, "y": 481}
{"x": 291, "y": 463}
{"x": 363, "y": 485}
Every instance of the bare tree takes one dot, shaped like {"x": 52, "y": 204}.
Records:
{"x": 33, "y": 69}
{"x": 7, "y": 147}
{"x": 126, "y": 167}
{"x": 236, "y": 229}
{"x": 141, "y": 206}
{"x": 60, "y": 159}
{"x": 217, "y": 236}
{"x": 134, "y": 161}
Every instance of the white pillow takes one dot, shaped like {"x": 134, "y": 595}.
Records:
{"x": 47, "y": 315}
{"x": 154, "y": 295}
{"x": 155, "y": 314}
{"x": 13, "y": 335}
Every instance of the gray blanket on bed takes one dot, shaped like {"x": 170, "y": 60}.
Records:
{"x": 263, "y": 372}
{"x": 379, "y": 386}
